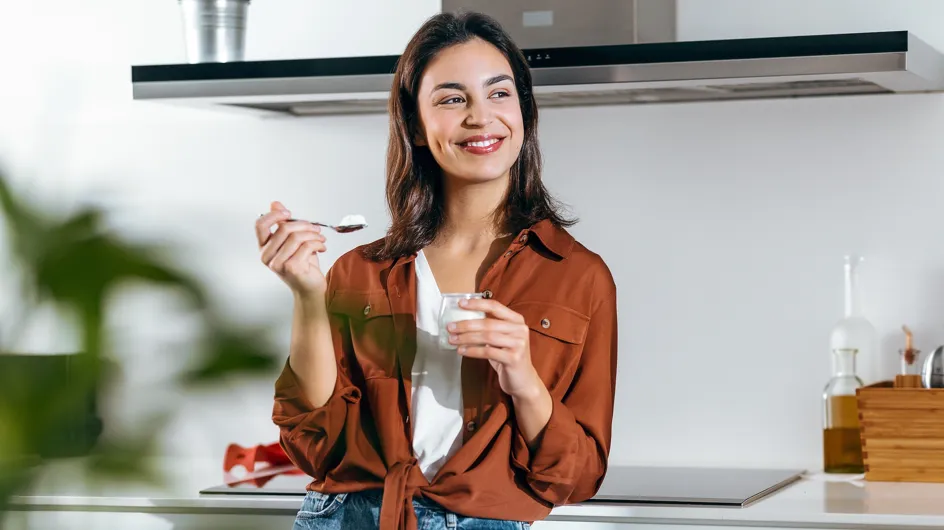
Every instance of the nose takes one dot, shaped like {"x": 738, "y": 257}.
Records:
{"x": 480, "y": 114}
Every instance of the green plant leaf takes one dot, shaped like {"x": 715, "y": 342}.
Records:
{"x": 232, "y": 352}
{"x": 74, "y": 263}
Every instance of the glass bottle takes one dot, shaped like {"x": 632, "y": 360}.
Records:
{"x": 842, "y": 446}
{"x": 854, "y": 331}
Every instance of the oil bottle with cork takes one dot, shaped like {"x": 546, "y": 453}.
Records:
{"x": 852, "y": 337}
{"x": 909, "y": 376}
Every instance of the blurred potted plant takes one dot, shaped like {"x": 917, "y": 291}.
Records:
{"x": 73, "y": 262}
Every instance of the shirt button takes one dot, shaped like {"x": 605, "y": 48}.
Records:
{"x": 470, "y": 426}
{"x": 487, "y": 294}
{"x": 508, "y": 254}
{"x": 545, "y": 323}
{"x": 366, "y": 309}
{"x": 523, "y": 238}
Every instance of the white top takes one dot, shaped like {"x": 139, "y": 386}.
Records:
{"x": 437, "y": 381}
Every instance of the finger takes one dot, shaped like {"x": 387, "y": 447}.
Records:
{"x": 265, "y": 222}
{"x": 483, "y": 324}
{"x": 487, "y": 338}
{"x": 485, "y": 352}
{"x": 292, "y": 225}
{"x": 491, "y": 307}
{"x": 309, "y": 248}
{"x": 291, "y": 245}
{"x": 279, "y": 264}
{"x": 282, "y": 237}
{"x": 299, "y": 262}
{"x": 276, "y": 206}
{"x": 278, "y": 239}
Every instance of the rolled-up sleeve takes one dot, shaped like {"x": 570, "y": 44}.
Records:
{"x": 570, "y": 461}
{"x": 310, "y": 435}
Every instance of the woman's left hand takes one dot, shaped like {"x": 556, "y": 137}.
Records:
{"x": 504, "y": 339}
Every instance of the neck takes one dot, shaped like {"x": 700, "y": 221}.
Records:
{"x": 472, "y": 212}
{"x": 844, "y": 361}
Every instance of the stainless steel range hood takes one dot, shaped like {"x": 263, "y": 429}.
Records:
{"x": 651, "y": 68}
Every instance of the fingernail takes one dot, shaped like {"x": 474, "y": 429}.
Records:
{"x": 451, "y": 326}
{"x": 463, "y": 303}
{"x": 453, "y": 338}
{"x": 461, "y": 349}
{"x": 286, "y": 212}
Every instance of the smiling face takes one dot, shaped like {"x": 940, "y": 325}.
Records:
{"x": 470, "y": 116}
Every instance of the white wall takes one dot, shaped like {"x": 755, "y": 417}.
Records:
{"x": 724, "y": 19}
{"x": 724, "y": 223}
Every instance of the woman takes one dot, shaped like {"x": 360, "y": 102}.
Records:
{"x": 395, "y": 430}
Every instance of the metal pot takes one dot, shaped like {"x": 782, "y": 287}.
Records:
{"x": 932, "y": 371}
{"x": 214, "y": 30}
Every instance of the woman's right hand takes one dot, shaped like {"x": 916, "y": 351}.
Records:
{"x": 292, "y": 251}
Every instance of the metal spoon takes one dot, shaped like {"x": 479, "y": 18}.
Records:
{"x": 341, "y": 229}
{"x": 353, "y": 224}
{"x": 349, "y": 223}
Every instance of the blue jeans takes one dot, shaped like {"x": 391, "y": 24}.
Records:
{"x": 361, "y": 510}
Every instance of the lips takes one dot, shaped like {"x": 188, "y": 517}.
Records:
{"x": 481, "y": 144}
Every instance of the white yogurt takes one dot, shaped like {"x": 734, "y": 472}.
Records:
{"x": 354, "y": 219}
{"x": 454, "y": 314}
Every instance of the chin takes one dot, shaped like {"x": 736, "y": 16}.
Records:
{"x": 484, "y": 169}
{"x": 479, "y": 175}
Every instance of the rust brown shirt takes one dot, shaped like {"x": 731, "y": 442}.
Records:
{"x": 361, "y": 438}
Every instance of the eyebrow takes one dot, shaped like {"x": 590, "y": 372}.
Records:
{"x": 459, "y": 86}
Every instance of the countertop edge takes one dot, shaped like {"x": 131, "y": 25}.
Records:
{"x": 284, "y": 505}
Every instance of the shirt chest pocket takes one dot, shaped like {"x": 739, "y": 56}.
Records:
{"x": 557, "y": 337}
{"x": 372, "y": 333}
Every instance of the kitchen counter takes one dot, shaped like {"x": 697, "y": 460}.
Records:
{"x": 816, "y": 501}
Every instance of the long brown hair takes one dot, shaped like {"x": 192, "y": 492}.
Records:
{"x": 414, "y": 179}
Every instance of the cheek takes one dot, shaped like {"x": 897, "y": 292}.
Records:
{"x": 515, "y": 123}
{"x": 516, "y": 120}
{"x": 511, "y": 115}
{"x": 437, "y": 136}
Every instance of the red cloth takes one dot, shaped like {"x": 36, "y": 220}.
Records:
{"x": 271, "y": 454}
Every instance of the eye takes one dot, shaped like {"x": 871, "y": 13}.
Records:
{"x": 501, "y": 94}
{"x": 451, "y": 100}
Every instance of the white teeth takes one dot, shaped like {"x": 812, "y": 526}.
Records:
{"x": 486, "y": 143}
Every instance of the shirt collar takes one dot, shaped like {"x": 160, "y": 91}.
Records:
{"x": 553, "y": 237}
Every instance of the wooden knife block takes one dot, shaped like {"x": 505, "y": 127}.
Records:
{"x": 902, "y": 432}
